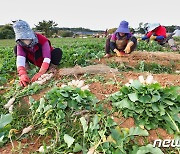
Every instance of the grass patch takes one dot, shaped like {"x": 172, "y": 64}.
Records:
{"x": 154, "y": 68}
{"x": 143, "y": 67}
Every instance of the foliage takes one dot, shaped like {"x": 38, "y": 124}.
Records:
{"x": 7, "y": 64}
{"x": 154, "y": 68}
{"x": 142, "y": 28}
{"x": 57, "y": 107}
{"x": 47, "y": 27}
{"x": 122, "y": 67}
{"x": 142, "y": 67}
{"x": 150, "y": 105}
{"x": 176, "y": 38}
{"x": 112, "y": 30}
{"x": 170, "y": 29}
{"x": 66, "y": 33}
{"x": 82, "y": 51}
{"x": 5, "y": 126}
{"x": 58, "y": 114}
{"x": 79, "y": 30}
{"x": 149, "y": 46}
{"x": 6, "y": 32}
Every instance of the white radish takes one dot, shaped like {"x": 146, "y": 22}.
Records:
{"x": 149, "y": 79}
{"x": 76, "y": 83}
{"x": 80, "y": 84}
{"x": 73, "y": 82}
{"x": 91, "y": 150}
{"x": 177, "y": 71}
{"x": 39, "y": 79}
{"x": 10, "y": 102}
{"x": 38, "y": 82}
{"x": 43, "y": 80}
{"x": 86, "y": 87}
{"x": 51, "y": 74}
{"x": 130, "y": 80}
{"x": 70, "y": 84}
{"x": 141, "y": 79}
{"x": 41, "y": 149}
{"x": 42, "y": 76}
{"x": 127, "y": 84}
{"x": 63, "y": 85}
{"x": 155, "y": 81}
{"x": 11, "y": 109}
{"x": 48, "y": 77}
{"x": 26, "y": 130}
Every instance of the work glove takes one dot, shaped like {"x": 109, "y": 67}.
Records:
{"x": 43, "y": 69}
{"x": 117, "y": 52}
{"x": 152, "y": 37}
{"x": 139, "y": 39}
{"x": 23, "y": 77}
{"x": 128, "y": 47}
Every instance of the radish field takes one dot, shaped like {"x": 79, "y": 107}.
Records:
{"x": 122, "y": 111}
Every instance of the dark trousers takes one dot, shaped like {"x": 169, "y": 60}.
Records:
{"x": 56, "y": 55}
{"x": 107, "y": 47}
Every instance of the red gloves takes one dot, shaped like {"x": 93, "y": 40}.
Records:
{"x": 24, "y": 79}
{"x": 43, "y": 69}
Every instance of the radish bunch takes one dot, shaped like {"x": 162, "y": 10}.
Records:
{"x": 148, "y": 80}
{"x": 43, "y": 78}
{"x": 78, "y": 84}
{"x": 9, "y": 105}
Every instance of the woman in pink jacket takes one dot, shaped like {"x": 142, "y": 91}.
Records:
{"x": 34, "y": 48}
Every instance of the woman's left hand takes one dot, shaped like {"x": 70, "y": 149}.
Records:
{"x": 36, "y": 76}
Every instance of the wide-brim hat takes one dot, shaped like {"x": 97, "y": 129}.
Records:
{"x": 123, "y": 27}
{"x": 23, "y": 31}
{"x": 153, "y": 26}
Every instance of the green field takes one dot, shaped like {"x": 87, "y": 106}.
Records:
{"x": 69, "y": 119}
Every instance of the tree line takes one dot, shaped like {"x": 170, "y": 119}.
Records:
{"x": 50, "y": 29}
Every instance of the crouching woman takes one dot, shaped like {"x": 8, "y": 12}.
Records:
{"x": 34, "y": 48}
{"x": 121, "y": 42}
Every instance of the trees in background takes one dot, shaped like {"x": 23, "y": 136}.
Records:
{"x": 48, "y": 28}
{"x": 142, "y": 26}
{"x": 6, "y": 32}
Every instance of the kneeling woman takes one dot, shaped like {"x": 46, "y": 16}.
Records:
{"x": 34, "y": 48}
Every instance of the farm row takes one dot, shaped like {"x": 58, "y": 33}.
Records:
{"x": 120, "y": 111}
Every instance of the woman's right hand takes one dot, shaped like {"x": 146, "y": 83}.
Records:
{"x": 24, "y": 80}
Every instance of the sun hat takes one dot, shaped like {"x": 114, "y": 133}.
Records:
{"x": 123, "y": 27}
{"x": 23, "y": 31}
{"x": 153, "y": 26}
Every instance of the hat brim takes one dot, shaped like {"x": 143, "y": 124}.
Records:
{"x": 123, "y": 30}
{"x": 152, "y": 27}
